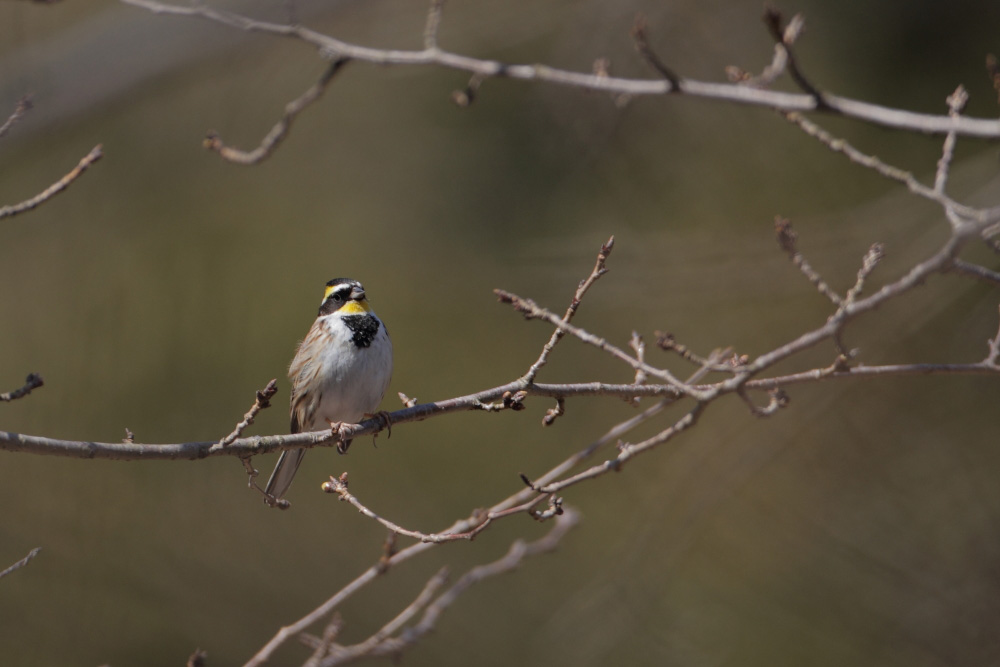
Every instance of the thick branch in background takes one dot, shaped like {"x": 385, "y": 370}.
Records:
{"x": 432, "y": 54}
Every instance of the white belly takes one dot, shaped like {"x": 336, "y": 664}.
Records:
{"x": 352, "y": 384}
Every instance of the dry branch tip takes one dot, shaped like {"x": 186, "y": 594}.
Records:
{"x": 262, "y": 401}
{"x": 21, "y": 563}
{"x": 993, "y": 70}
{"x": 32, "y": 382}
{"x": 465, "y": 97}
{"x": 23, "y": 106}
{"x": 554, "y": 413}
{"x": 198, "y": 659}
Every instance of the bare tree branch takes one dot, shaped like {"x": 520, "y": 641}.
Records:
{"x": 728, "y": 373}
{"x": 90, "y": 158}
{"x": 255, "y": 445}
{"x": 519, "y": 550}
{"x": 729, "y": 92}
{"x": 382, "y": 643}
{"x": 339, "y": 655}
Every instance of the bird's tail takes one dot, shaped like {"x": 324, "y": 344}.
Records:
{"x": 284, "y": 473}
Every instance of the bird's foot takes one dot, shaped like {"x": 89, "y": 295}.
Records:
{"x": 338, "y": 429}
{"x": 385, "y": 418}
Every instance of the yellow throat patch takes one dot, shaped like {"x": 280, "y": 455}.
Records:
{"x": 354, "y": 308}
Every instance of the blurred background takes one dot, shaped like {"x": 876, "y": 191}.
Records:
{"x": 859, "y": 526}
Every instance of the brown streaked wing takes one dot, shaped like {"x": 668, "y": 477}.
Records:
{"x": 304, "y": 373}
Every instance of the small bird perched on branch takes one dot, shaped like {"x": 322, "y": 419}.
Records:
{"x": 339, "y": 374}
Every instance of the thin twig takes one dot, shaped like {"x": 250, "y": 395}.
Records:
{"x": 993, "y": 353}
{"x": 280, "y": 130}
{"x": 777, "y": 400}
{"x": 976, "y": 271}
{"x": 641, "y": 41}
{"x": 627, "y": 452}
{"x": 875, "y": 164}
{"x": 599, "y": 270}
{"x": 198, "y": 659}
{"x": 433, "y": 24}
{"x": 956, "y": 103}
{"x": 323, "y": 644}
{"x": 639, "y": 347}
{"x": 552, "y": 414}
{"x": 21, "y": 563}
{"x": 788, "y": 240}
{"x": 32, "y": 382}
{"x": 90, "y": 158}
{"x": 532, "y": 310}
{"x": 478, "y": 521}
{"x": 773, "y": 21}
{"x": 993, "y": 70}
{"x": 779, "y": 61}
{"x": 518, "y": 551}
{"x": 262, "y": 401}
{"x": 343, "y": 654}
{"x": 667, "y": 341}
{"x": 868, "y": 264}
{"x": 23, "y": 106}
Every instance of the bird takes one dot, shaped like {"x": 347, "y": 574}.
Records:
{"x": 339, "y": 374}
